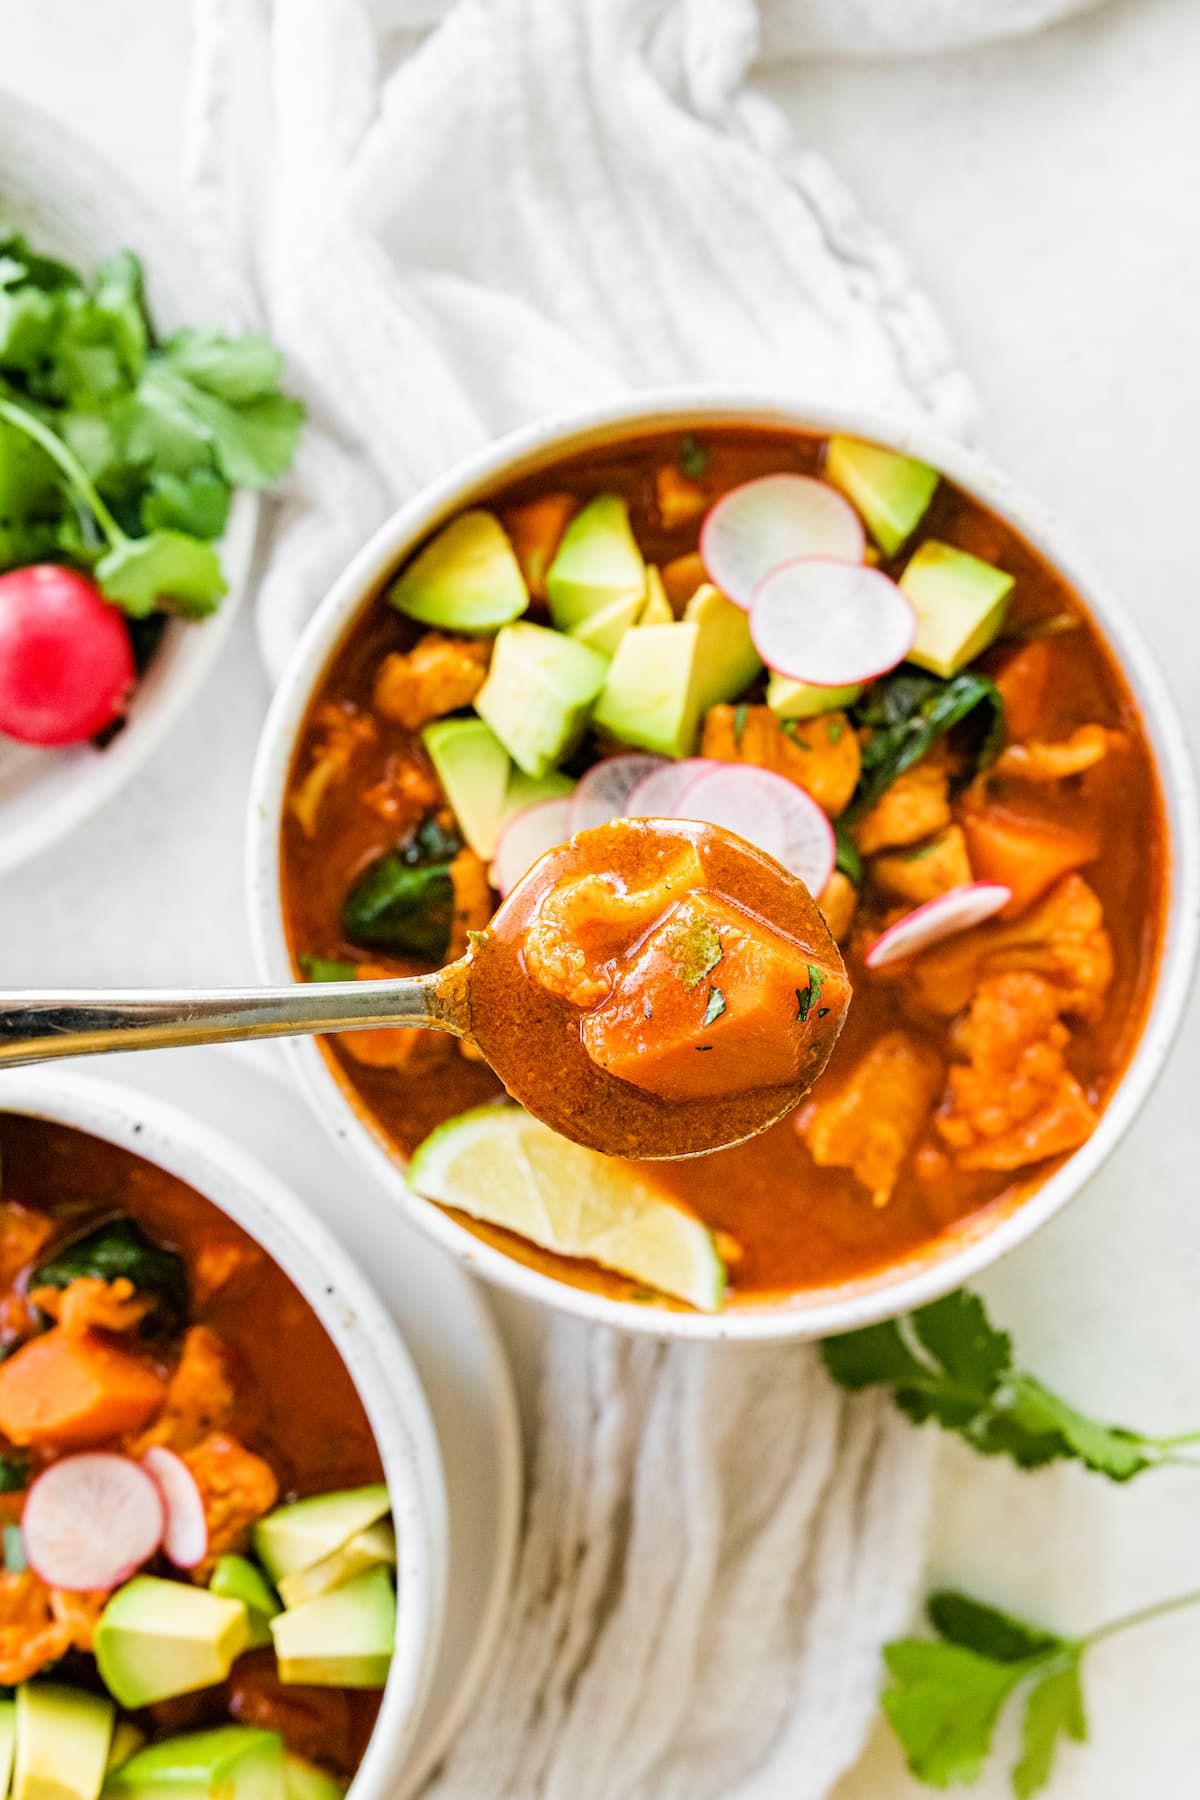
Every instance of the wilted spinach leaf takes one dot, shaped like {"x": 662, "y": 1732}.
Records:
{"x": 910, "y": 711}
{"x": 118, "y": 1248}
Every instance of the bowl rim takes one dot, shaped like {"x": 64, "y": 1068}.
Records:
{"x": 360, "y": 1328}
{"x": 903, "y": 1286}
{"x": 74, "y": 181}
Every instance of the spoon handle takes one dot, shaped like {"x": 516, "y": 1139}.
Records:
{"x": 38, "y": 1027}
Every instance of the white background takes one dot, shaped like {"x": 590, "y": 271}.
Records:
{"x": 1047, "y": 195}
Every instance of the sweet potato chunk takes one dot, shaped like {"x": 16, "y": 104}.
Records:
{"x": 679, "y": 498}
{"x": 438, "y": 675}
{"x": 535, "y": 530}
{"x": 871, "y": 1122}
{"x": 1016, "y": 1102}
{"x": 838, "y": 901}
{"x": 915, "y": 806}
{"x": 66, "y": 1391}
{"x": 200, "y": 1395}
{"x": 1026, "y": 855}
{"x": 1023, "y": 679}
{"x": 926, "y": 870}
{"x": 820, "y": 755}
{"x": 712, "y": 1003}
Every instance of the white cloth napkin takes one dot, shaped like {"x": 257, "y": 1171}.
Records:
{"x": 456, "y": 217}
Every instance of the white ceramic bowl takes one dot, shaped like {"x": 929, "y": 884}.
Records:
{"x": 952, "y": 1261}
{"x": 361, "y": 1330}
{"x": 74, "y": 205}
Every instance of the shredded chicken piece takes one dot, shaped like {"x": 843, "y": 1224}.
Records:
{"x": 406, "y": 791}
{"x": 218, "y": 1262}
{"x": 237, "y": 1488}
{"x": 343, "y": 730}
{"x": 838, "y": 901}
{"x": 38, "y": 1624}
{"x": 1040, "y": 760}
{"x": 23, "y": 1237}
{"x": 679, "y": 499}
{"x": 79, "y": 1613}
{"x": 473, "y": 904}
{"x": 915, "y": 806}
{"x": 1015, "y": 1102}
{"x": 820, "y": 755}
{"x": 870, "y": 1123}
{"x": 200, "y": 1395}
{"x": 90, "y": 1303}
{"x": 1063, "y": 939}
{"x": 926, "y": 870}
{"x": 439, "y": 675}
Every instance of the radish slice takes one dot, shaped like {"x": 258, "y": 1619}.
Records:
{"x": 91, "y": 1521}
{"x": 527, "y": 836}
{"x": 944, "y": 917}
{"x": 833, "y": 624}
{"x": 764, "y": 523}
{"x": 771, "y": 813}
{"x": 603, "y": 791}
{"x": 186, "y": 1538}
{"x": 655, "y": 795}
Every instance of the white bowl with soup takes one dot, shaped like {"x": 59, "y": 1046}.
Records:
{"x": 1023, "y": 757}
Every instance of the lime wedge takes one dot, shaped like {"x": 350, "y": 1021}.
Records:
{"x": 500, "y": 1165}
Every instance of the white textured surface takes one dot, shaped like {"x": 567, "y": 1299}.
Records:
{"x": 1045, "y": 192}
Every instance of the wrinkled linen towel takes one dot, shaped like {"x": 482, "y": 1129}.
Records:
{"x": 456, "y": 218}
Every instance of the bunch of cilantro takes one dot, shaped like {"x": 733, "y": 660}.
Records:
{"x": 948, "y": 1364}
{"x": 119, "y": 453}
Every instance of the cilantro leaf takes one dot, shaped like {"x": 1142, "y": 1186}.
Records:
{"x": 943, "y": 1702}
{"x": 693, "y": 457}
{"x": 716, "y": 1006}
{"x": 958, "y": 1334}
{"x": 166, "y": 568}
{"x": 848, "y": 859}
{"x": 1054, "y": 1709}
{"x": 985, "y": 1629}
{"x": 253, "y": 441}
{"x": 808, "y": 997}
{"x": 871, "y": 1357}
{"x": 197, "y": 503}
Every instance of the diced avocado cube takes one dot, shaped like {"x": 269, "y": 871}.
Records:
{"x": 371, "y": 1549}
{"x": 960, "y": 603}
{"x": 8, "y": 1741}
{"x": 651, "y": 698}
{"x": 235, "y": 1578}
{"x": 127, "y": 1738}
{"x": 473, "y": 766}
{"x": 604, "y": 630}
{"x": 789, "y": 699}
{"x": 304, "y": 1781}
{"x": 306, "y": 1531}
{"x": 892, "y": 492}
{"x": 342, "y": 1639}
{"x": 597, "y": 562}
{"x": 63, "y": 1737}
{"x": 467, "y": 578}
{"x": 539, "y": 694}
{"x": 524, "y": 790}
{"x": 232, "y": 1762}
{"x": 156, "y": 1639}
{"x": 726, "y": 660}
{"x": 656, "y": 608}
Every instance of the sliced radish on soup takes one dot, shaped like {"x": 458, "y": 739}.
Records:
{"x": 762, "y": 524}
{"x": 959, "y": 910}
{"x": 832, "y": 624}
{"x": 655, "y": 795}
{"x": 186, "y": 1537}
{"x": 91, "y": 1521}
{"x": 603, "y": 792}
{"x": 526, "y": 837}
{"x": 771, "y": 813}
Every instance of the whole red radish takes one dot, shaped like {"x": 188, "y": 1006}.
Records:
{"x": 66, "y": 661}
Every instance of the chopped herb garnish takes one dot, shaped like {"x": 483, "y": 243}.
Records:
{"x": 644, "y": 1296}
{"x": 477, "y": 937}
{"x": 791, "y": 729}
{"x": 704, "y": 1046}
{"x": 806, "y": 997}
{"x": 837, "y": 731}
{"x": 695, "y": 944}
{"x": 822, "y": 1012}
{"x": 848, "y": 860}
{"x": 693, "y": 457}
{"x": 916, "y": 854}
{"x": 14, "y": 1474}
{"x": 716, "y": 1006}
{"x": 907, "y": 715}
{"x": 327, "y": 968}
{"x": 739, "y": 724}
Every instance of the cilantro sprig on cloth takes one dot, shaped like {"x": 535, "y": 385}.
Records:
{"x": 944, "y": 1696}
{"x": 119, "y": 454}
{"x": 949, "y": 1363}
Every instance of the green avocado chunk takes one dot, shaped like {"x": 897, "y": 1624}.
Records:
{"x": 652, "y": 696}
{"x": 8, "y": 1741}
{"x": 233, "y": 1762}
{"x": 726, "y": 660}
{"x": 539, "y": 694}
{"x": 892, "y": 492}
{"x": 467, "y": 578}
{"x": 304, "y": 1781}
{"x": 343, "y": 1638}
{"x": 370, "y": 1549}
{"x": 524, "y": 791}
{"x": 156, "y": 1639}
{"x": 603, "y": 630}
{"x": 236, "y": 1578}
{"x": 596, "y": 563}
{"x": 306, "y": 1531}
{"x": 473, "y": 767}
{"x": 62, "y": 1743}
{"x": 960, "y": 603}
{"x": 789, "y": 699}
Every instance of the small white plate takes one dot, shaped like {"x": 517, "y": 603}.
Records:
{"x": 447, "y": 1324}
{"x": 76, "y": 206}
